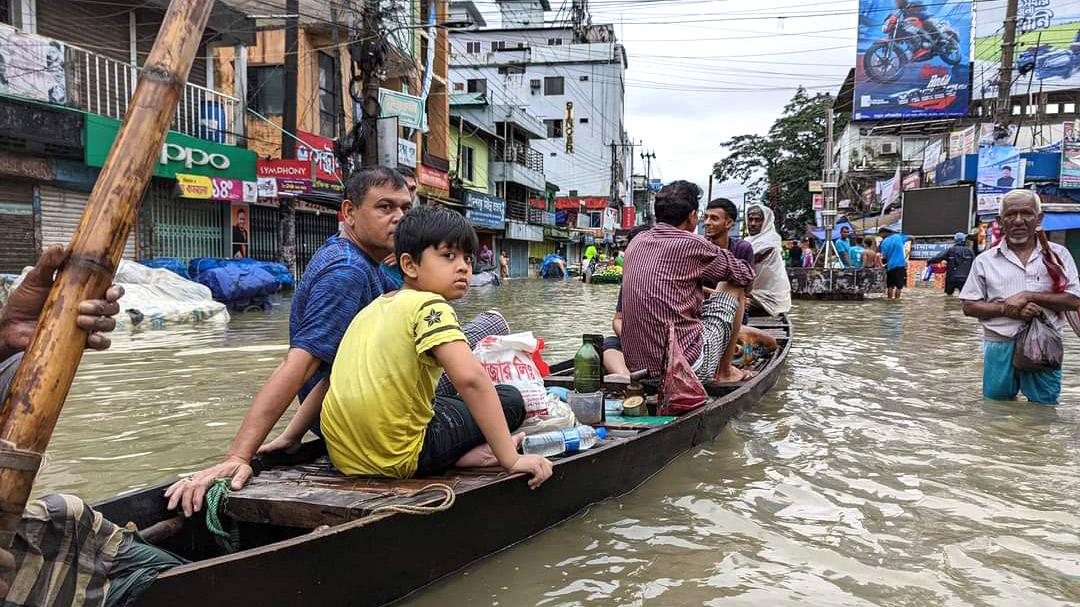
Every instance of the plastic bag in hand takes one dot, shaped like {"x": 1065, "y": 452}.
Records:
{"x": 1038, "y": 346}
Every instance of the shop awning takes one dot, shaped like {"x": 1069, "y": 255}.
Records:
{"x": 1054, "y": 222}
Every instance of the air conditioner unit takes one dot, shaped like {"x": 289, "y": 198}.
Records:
{"x": 888, "y": 148}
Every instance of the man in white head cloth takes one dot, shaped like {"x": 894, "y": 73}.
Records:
{"x": 772, "y": 291}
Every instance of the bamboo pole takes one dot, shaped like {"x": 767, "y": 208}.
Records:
{"x": 48, "y": 366}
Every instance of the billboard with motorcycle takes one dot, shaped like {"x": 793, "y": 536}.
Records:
{"x": 913, "y": 59}
{"x": 1047, "y": 46}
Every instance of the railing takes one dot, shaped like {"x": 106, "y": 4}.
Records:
{"x": 104, "y": 86}
{"x": 520, "y": 154}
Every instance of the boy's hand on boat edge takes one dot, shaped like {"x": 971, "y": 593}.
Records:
{"x": 189, "y": 492}
{"x": 539, "y": 467}
{"x": 19, "y": 318}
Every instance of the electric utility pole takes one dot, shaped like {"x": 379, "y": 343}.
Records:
{"x": 372, "y": 67}
{"x": 829, "y": 177}
{"x": 288, "y": 115}
{"x": 650, "y": 215}
{"x": 1003, "y": 110}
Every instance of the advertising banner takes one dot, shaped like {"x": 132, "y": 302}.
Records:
{"x": 962, "y": 142}
{"x": 888, "y": 191}
{"x": 934, "y": 154}
{"x": 284, "y": 169}
{"x": 629, "y": 217}
{"x": 180, "y": 154}
{"x": 1000, "y": 169}
{"x": 1046, "y": 58}
{"x": 912, "y": 181}
{"x": 818, "y": 202}
{"x": 913, "y": 61}
{"x": 1070, "y": 157}
{"x": 231, "y": 190}
{"x": 33, "y": 66}
{"x": 240, "y": 235}
{"x": 267, "y": 187}
{"x": 194, "y": 186}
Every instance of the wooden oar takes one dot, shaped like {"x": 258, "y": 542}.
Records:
{"x": 44, "y": 377}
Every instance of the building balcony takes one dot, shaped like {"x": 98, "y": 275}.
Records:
{"x": 519, "y": 164}
{"x": 100, "y": 85}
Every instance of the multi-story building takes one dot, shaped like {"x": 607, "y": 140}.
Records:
{"x": 69, "y": 71}
{"x": 569, "y": 77}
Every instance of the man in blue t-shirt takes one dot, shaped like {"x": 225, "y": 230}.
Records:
{"x": 341, "y": 279}
{"x": 843, "y": 247}
{"x": 895, "y": 258}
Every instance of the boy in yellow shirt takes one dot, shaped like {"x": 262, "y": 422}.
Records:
{"x": 380, "y": 416}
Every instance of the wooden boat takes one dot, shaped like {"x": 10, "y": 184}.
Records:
{"x": 310, "y": 536}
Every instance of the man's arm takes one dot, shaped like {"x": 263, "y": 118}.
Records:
{"x": 940, "y": 257}
{"x": 722, "y": 266}
{"x": 1059, "y": 302}
{"x": 266, "y": 409}
{"x": 616, "y": 324}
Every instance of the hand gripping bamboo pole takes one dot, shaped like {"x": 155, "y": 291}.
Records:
{"x": 48, "y": 366}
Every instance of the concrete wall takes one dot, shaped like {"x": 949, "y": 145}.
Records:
{"x": 481, "y": 158}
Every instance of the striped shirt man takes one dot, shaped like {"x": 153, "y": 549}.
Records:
{"x": 663, "y": 276}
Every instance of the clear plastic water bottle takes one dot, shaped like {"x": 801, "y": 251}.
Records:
{"x": 548, "y": 444}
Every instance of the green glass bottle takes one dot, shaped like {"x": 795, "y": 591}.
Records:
{"x": 588, "y": 368}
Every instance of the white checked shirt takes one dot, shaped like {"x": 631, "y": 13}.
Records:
{"x": 998, "y": 274}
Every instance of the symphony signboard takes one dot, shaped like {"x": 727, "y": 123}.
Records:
{"x": 912, "y": 61}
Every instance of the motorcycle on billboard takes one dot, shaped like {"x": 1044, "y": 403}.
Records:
{"x": 913, "y": 59}
{"x": 1047, "y": 46}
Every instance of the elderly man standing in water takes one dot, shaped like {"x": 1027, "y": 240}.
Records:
{"x": 1024, "y": 276}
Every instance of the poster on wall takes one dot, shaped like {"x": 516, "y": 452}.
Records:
{"x": 933, "y": 154}
{"x": 32, "y": 66}
{"x": 1046, "y": 57}
{"x": 912, "y": 61}
{"x": 1000, "y": 169}
{"x": 240, "y": 235}
{"x": 1070, "y": 157}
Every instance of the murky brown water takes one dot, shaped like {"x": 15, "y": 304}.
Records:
{"x": 873, "y": 474}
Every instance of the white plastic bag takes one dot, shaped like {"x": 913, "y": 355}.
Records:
{"x": 559, "y": 417}
{"x": 508, "y": 361}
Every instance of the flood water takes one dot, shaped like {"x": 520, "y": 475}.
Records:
{"x": 872, "y": 474}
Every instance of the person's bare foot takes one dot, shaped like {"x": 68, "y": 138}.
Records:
{"x": 483, "y": 457}
{"x": 733, "y": 375}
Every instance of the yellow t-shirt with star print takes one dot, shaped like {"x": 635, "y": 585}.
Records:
{"x": 382, "y": 383}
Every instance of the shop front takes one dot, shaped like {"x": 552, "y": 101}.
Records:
{"x": 487, "y": 214}
{"x": 519, "y": 236}
{"x": 197, "y": 205}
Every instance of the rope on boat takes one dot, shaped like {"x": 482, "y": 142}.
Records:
{"x": 216, "y": 498}
{"x": 449, "y": 497}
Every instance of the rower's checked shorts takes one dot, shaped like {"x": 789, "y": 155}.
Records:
{"x": 1001, "y": 381}
{"x": 717, "y": 316}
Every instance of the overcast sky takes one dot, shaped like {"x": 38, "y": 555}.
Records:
{"x": 702, "y": 71}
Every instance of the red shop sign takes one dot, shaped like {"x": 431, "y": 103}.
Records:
{"x": 433, "y": 178}
{"x": 595, "y": 202}
{"x": 629, "y": 217}
{"x": 284, "y": 169}
{"x": 565, "y": 203}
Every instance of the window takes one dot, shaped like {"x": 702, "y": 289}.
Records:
{"x": 498, "y": 45}
{"x": 554, "y": 41}
{"x": 329, "y": 89}
{"x": 466, "y": 163}
{"x": 554, "y": 128}
{"x": 266, "y": 89}
{"x": 512, "y": 69}
{"x": 1051, "y": 108}
{"x": 5, "y": 12}
{"x": 472, "y": 48}
{"x": 553, "y": 85}
{"x": 1069, "y": 108}
{"x": 583, "y": 78}
{"x": 584, "y": 121}
{"x": 477, "y": 85}
{"x": 459, "y": 86}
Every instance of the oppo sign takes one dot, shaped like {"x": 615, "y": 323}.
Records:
{"x": 193, "y": 157}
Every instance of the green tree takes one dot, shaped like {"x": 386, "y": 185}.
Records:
{"x": 776, "y": 167}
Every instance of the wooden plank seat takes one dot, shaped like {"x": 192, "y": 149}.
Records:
{"x": 309, "y": 495}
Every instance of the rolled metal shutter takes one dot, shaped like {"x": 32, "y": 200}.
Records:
{"x": 18, "y": 248}
{"x": 61, "y": 212}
